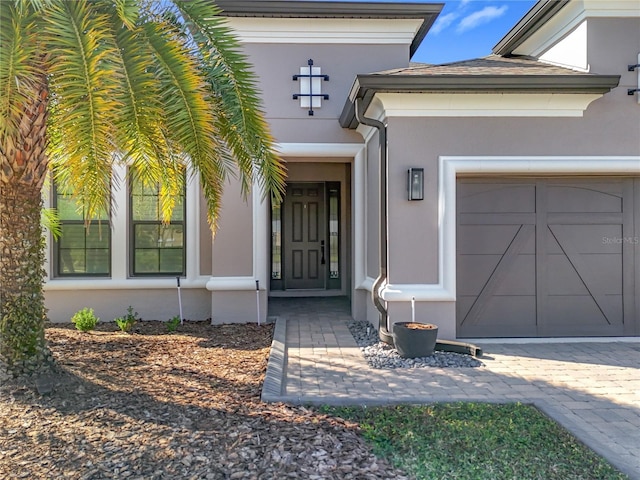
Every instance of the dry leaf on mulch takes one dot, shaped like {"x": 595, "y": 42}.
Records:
{"x": 153, "y": 405}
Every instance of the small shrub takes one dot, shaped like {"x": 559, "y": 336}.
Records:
{"x": 85, "y": 319}
{"x": 172, "y": 324}
{"x": 129, "y": 320}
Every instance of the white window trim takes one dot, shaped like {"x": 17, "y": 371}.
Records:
{"x": 120, "y": 247}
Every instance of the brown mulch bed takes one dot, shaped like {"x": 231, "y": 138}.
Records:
{"x": 154, "y": 405}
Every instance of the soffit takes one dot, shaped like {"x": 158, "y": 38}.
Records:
{"x": 426, "y": 13}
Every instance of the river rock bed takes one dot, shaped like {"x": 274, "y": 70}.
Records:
{"x": 380, "y": 355}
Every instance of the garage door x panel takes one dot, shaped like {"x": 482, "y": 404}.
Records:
{"x": 565, "y": 279}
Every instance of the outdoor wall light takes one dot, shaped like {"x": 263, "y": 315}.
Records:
{"x": 416, "y": 183}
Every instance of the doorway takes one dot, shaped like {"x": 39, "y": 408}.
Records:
{"x": 305, "y": 239}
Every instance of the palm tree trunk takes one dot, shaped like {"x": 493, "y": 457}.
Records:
{"x": 23, "y": 163}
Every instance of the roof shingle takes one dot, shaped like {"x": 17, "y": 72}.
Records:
{"x": 490, "y": 65}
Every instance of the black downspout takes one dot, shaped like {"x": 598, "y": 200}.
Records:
{"x": 383, "y": 330}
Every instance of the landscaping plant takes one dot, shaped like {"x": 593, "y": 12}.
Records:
{"x": 85, "y": 320}
{"x": 129, "y": 320}
{"x": 173, "y": 323}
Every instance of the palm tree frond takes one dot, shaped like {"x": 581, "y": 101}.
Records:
{"x": 242, "y": 126}
{"x": 128, "y": 11}
{"x": 20, "y": 64}
{"x": 190, "y": 120}
{"x": 51, "y": 221}
{"x": 184, "y": 93}
{"x": 40, "y": 4}
{"x": 83, "y": 86}
{"x": 141, "y": 119}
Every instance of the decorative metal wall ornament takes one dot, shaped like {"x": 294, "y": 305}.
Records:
{"x": 310, "y": 95}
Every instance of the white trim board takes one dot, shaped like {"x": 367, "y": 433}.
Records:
{"x": 319, "y": 149}
{"x": 325, "y": 30}
{"x": 481, "y": 104}
{"x": 319, "y": 152}
{"x": 66, "y": 284}
{"x": 450, "y": 167}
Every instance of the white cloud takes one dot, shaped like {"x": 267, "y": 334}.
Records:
{"x": 481, "y": 16}
{"x": 443, "y": 22}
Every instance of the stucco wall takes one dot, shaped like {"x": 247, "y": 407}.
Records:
{"x": 612, "y": 44}
{"x": 275, "y": 64}
{"x": 205, "y": 242}
{"x": 610, "y": 126}
{"x": 156, "y": 304}
{"x": 372, "y": 209}
{"x": 233, "y": 243}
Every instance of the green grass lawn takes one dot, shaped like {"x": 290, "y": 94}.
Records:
{"x": 476, "y": 441}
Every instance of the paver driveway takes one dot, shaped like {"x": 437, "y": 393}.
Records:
{"x": 591, "y": 388}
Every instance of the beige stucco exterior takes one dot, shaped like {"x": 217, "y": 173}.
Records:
{"x": 490, "y": 130}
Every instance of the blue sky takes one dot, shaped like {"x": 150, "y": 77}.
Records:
{"x": 469, "y": 29}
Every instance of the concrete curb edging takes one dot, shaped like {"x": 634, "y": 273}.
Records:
{"x": 582, "y": 436}
{"x": 274, "y": 378}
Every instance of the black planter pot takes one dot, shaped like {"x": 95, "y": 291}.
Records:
{"x": 413, "y": 340}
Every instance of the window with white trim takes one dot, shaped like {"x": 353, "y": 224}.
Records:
{"x": 156, "y": 248}
{"x": 83, "y": 249}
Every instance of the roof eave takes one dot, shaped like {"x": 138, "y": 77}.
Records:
{"x": 535, "y": 18}
{"x": 367, "y": 86}
{"x": 428, "y": 12}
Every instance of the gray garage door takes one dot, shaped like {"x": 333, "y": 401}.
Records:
{"x": 547, "y": 257}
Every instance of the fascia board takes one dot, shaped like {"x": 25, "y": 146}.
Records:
{"x": 325, "y": 30}
{"x": 297, "y": 8}
{"x": 539, "y": 14}
{"x": 483, "y": 104}
{"x": 549, "y": 20}
{"x": 367, "y": 86}
{"x": 489, "y": 83}
{"x": 425, "y": 12}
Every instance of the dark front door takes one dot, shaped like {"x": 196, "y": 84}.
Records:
{"x": 304, "y": 236}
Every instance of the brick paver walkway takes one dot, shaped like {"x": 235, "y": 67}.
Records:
{"x": 591, "y": 388}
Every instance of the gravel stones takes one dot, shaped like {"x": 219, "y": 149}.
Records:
{"x": 380, "y": 355}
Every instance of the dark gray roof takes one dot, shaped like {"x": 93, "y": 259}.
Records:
{"x": 490, "y": 65}
{"x": 489, "y": 74}
{"x": 427, "y": 12}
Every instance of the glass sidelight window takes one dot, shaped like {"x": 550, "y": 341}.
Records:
{"x": 276, "y": 242}
{"x": 334, "y": 232}
{"x": 333, "y": 194}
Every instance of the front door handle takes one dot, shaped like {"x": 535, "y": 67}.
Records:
{"x": 322, "y": 261}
